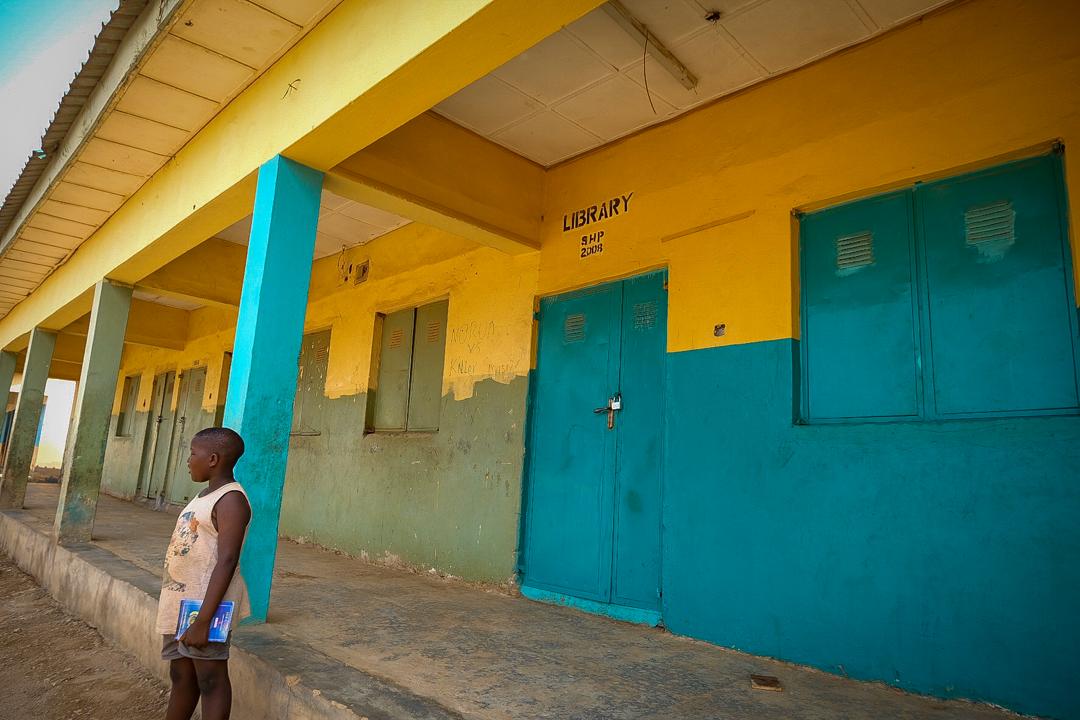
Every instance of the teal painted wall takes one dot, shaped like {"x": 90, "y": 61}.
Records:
{"x": 448, "y": 500}
{"x": 940, "y": 557}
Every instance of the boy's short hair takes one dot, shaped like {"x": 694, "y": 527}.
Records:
{"x": 226, "y": 442}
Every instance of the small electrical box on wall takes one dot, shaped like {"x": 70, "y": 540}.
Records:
{"x": 360, "y": 273}
{"x": 355, "y": 273}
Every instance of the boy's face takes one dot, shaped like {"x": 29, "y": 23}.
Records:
{"x": 201, "y": 461}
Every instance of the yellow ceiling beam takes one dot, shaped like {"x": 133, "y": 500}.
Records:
{"x": 433, "y": 171}
{"x": 187, "y": 278}
{"x": 148, "y": 324}
{"x": 66, "y": 359}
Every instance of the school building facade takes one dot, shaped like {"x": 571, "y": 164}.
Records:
{"x": 773, "y": 341}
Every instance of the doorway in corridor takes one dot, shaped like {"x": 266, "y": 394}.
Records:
{"x": 592, "y": 534}
{"x": 159, "y": 429}
{"x": 169, "y": 431}
{"x": 190, "y": 419}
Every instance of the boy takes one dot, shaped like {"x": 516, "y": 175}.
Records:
{"x": 200, "y": 564}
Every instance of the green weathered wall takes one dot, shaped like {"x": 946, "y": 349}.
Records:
{"x": 180, "y": 488}
{"x": 123, "y": 456}
{"x": 123, "y": 459}
{"x": 448, "y": 500}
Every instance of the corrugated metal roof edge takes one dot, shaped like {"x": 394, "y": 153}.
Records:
{"x": 93, "y": 68}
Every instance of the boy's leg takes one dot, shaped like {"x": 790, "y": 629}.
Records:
{"x": 185, "y": 689}
{"x": 214, "y": 688}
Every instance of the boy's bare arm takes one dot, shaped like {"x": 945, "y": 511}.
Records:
{"x": 231, "y": 515}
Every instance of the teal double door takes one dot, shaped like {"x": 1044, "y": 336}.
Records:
{"x": 593, "y": 511}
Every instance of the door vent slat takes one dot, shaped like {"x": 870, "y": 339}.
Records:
{"x": 645, "y": 315}
{"x": 991, "y": 228}
{"x": 855, "y": 251}
{"x": 434, "y": 330}
{"x": 574, "y": 328}
{"x": 397, "y": 337}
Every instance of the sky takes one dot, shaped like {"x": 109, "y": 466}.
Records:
{"x": 43, "y": 43}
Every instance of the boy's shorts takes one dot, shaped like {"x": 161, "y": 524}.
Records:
{"x": 173, "y": 649}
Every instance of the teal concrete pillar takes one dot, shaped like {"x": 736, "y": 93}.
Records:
{"x": 262, "y": 383}
{"x": 84, "y": 453}
{"x": 24, "y": 431}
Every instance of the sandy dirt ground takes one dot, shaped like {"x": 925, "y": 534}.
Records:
{"x": 55, "y": 667}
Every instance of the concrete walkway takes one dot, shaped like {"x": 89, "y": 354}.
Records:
{"x": 482, "y": 655}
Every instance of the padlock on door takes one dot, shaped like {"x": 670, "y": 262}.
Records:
{"x": 614, "y": 405}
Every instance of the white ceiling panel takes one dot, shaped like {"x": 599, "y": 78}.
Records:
{"x": 890, "y": 12}
{"x": 342, "y": 223}
{"x": 670, "y": 20}
{"x": 614, "y": 107}
{"x": 327, "y": 245}
{"x": 554, "y": 68}
{"x": 782, "y": 34}
{"x": 583, "y": 86}
{"x": 718, "y": 65}
{"x": 330, "y": 201}
{"x": 373, "y": 216}
{"x": 547, "y": 138}
{"x": 607, "y": 39}
{"x": 488, "y": 105}
{"x": 346, "y": 230}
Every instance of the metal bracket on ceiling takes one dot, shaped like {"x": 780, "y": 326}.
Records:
{"x": 637, "y": 30}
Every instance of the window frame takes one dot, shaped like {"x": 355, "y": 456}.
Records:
{"x": 298, "y": 430}
{"x": 370, "y": 427}
{"x": 924, "y": 368}
{"x": 125, "y": 419}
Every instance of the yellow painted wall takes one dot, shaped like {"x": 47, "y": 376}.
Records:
{"x": 489, "y": 324}
{"x": 971, "y": 85}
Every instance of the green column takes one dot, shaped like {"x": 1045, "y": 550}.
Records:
{"x": 84, "y": 453}
{"x": 24, "y": 430}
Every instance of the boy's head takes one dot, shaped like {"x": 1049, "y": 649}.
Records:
{"x": 214, "y": 451}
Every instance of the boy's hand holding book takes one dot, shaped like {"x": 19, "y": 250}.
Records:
{"x": 198, "y": 633}
{"x": 197, "y": 629}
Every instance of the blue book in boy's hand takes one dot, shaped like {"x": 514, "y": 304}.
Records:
{"x": 219, "y": 626}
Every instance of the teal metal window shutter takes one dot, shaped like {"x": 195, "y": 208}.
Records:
{"x": 953, "y": 299}
{"x": 860, "y": 314}
{"x": 998, "y": 298}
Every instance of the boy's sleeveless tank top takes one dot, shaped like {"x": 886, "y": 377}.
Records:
{"x": 190, "y": 560}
